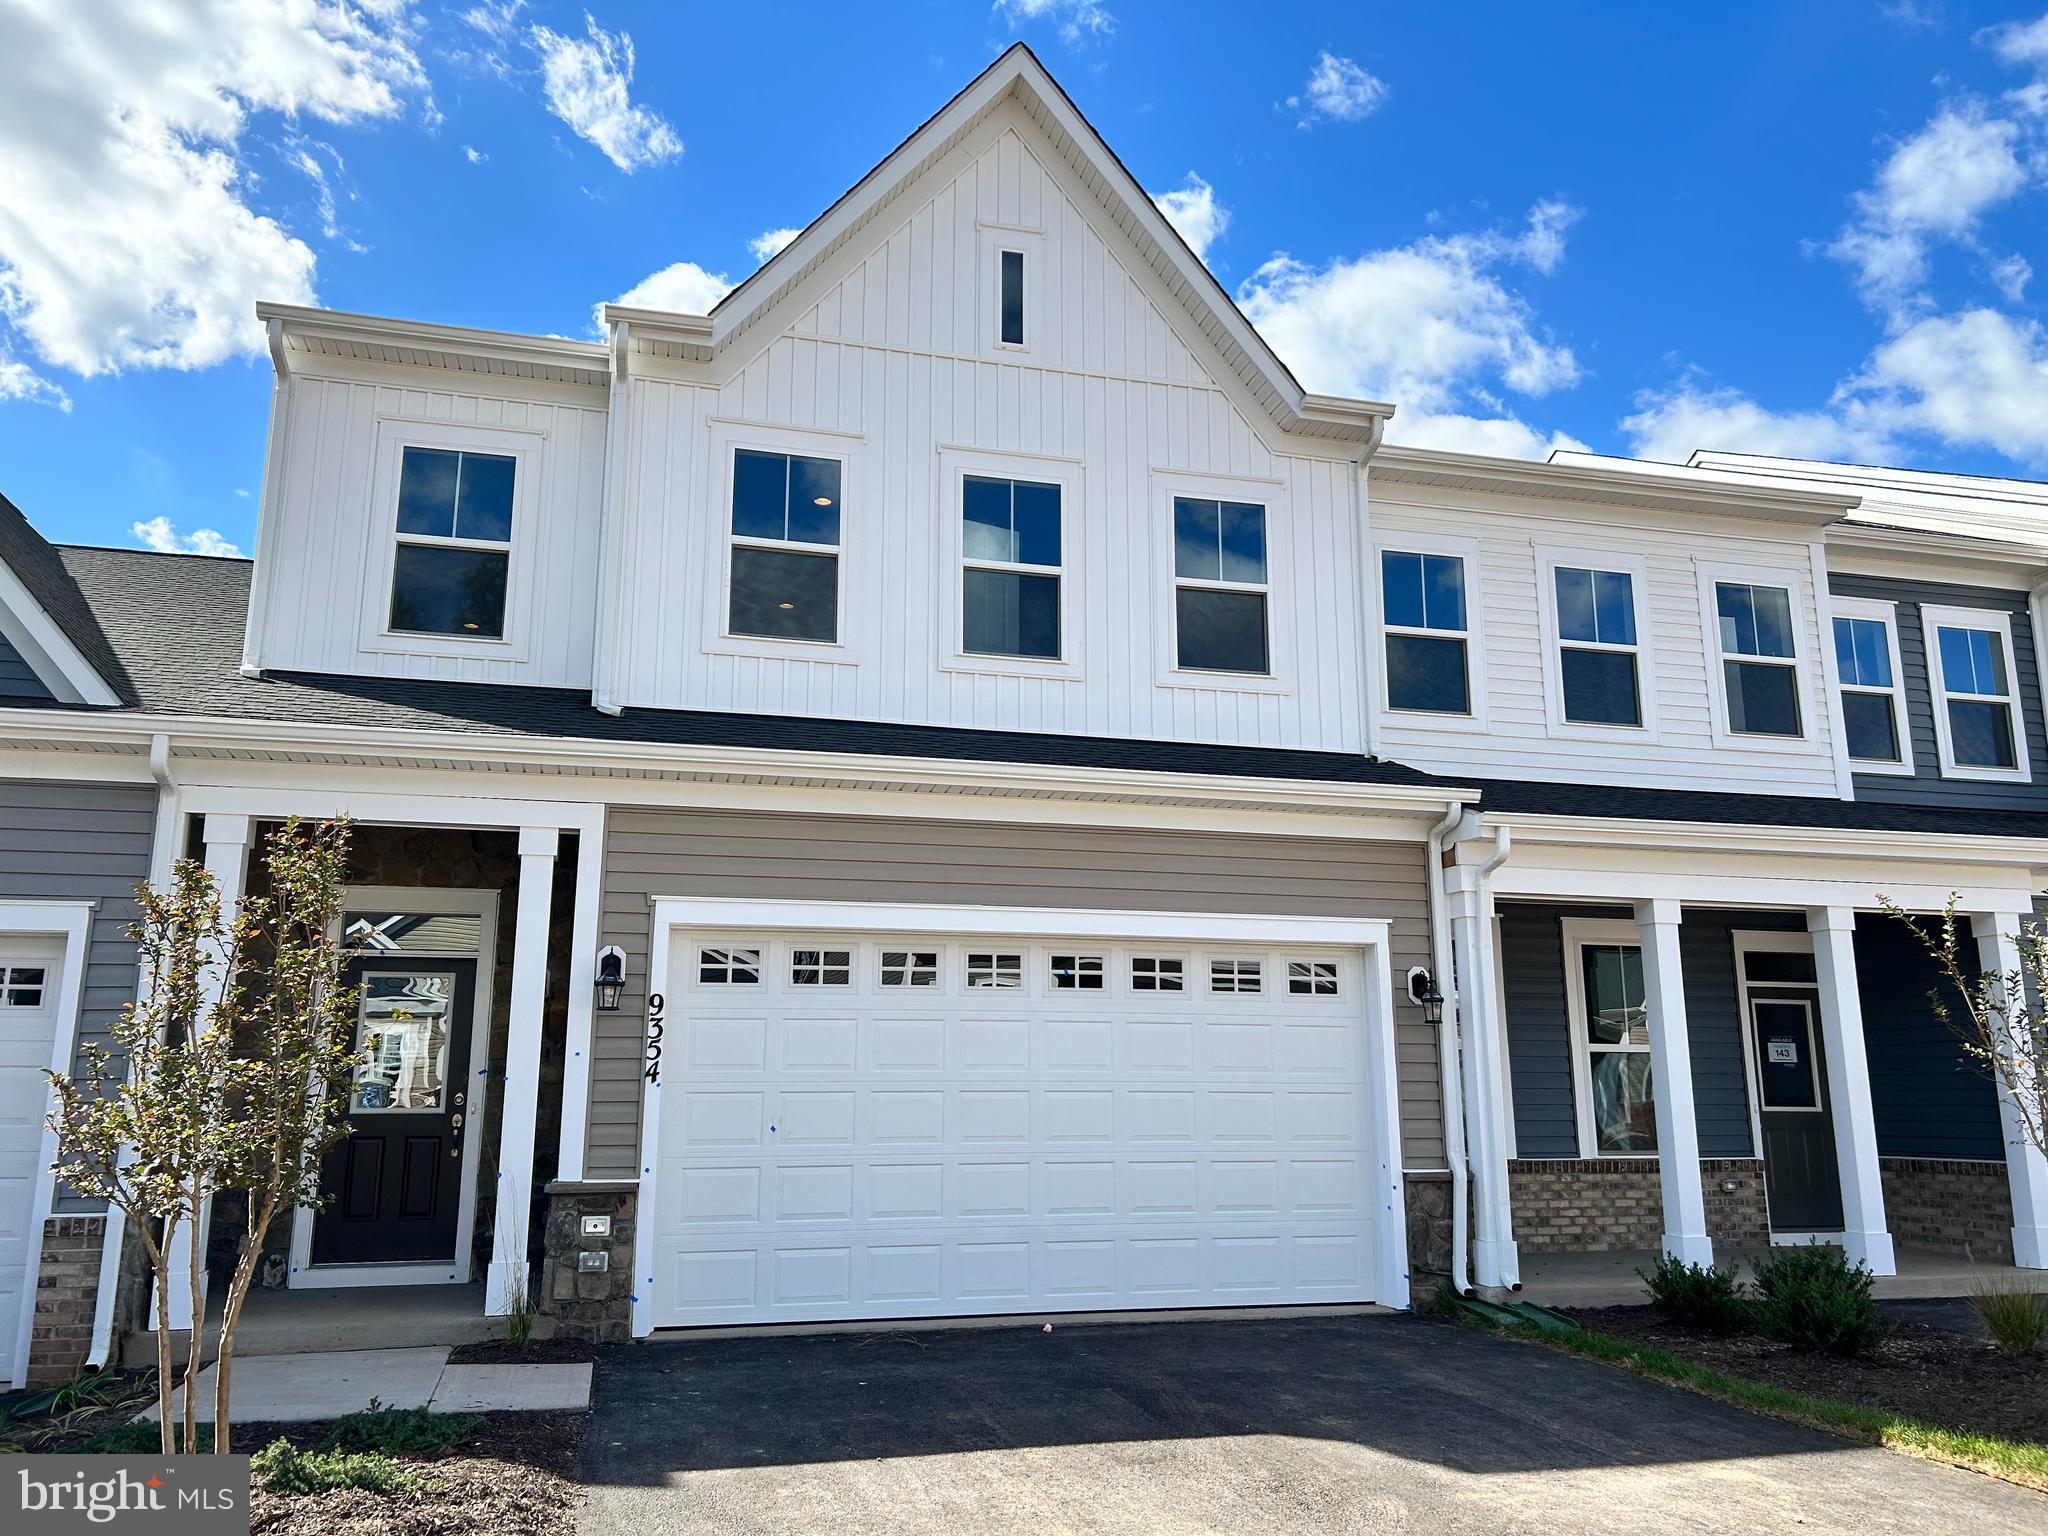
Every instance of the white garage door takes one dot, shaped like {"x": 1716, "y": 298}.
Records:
{"x": 28, "y": 1030}
{"x": 854, "y": 1127}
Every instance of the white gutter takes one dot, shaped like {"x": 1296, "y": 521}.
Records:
{"x": 1449, "y": 1089}
{"x": 611, "y": 526}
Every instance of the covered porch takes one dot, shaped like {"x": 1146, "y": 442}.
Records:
{"x": 1707, "y": 1041}
{"x": 471, "y": 927}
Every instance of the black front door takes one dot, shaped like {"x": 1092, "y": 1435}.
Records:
{"x": 1802, "y": 1181}
{"x": 394, "y": 1185}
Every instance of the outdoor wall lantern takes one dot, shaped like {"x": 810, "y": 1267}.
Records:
{"x": 1422, "y": 990}
{"x": 611, "y": 978}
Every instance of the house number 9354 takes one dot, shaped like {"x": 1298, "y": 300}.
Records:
{"x": 654, "y": 1032}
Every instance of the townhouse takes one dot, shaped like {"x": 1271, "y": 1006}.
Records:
{"x": 952, "y": 786}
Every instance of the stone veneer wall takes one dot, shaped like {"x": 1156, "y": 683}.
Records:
{"x": 1429, "y": 1225}
{"x": 67, "y": 1285}
{"x": 596, "y": 1307}
{"x": 1605, "y": 1205}
{"x": 1950, "y": 1204}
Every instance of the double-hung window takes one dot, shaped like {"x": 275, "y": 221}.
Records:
{"x": 785, "y": 546}
{"x": 454, "y": 555}
{"x": 1976, "y": 722}
{"x": 1422, "y": 606}
{"x": 1759, "y": 658}
{"x": 1597, "y": 647}
{"x": 1611, "y": 1034}
{"x": 1219, "y": 594}
{"x": 1867, "y": 663}
{"x": 1010, "y": 581}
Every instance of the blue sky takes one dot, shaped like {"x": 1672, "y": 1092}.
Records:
{"x": 1798, "y": 228}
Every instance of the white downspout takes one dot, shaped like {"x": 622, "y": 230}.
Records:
{"x": 1481, "y": 1104}
{"x": 611, "y": 528}
{"x": 1450, "y": 1089}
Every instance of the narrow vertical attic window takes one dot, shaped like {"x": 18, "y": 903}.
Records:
{"x": 1011, "y": 312}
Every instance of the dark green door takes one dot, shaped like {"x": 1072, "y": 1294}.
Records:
{"x": 1801, "y": 1178}
{"x": 394, "y": 1185}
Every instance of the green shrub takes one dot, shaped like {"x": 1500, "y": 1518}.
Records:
{"x": 1815, "y": 1298}
{"x": 2017, "y": 1318}
{"x": 1697, "y": 1295}
{"x": 400, "y": 1431}
{"x": 285, "y": 1469}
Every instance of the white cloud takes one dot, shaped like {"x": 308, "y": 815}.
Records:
{"x": 586, "y": 80}
{"x": 1338, "y": 91}
{"x": 2021, "y": 43}
{"x": 18, "y": 381}
{"x": 159, "y": 534}
{"x": 474, "y": 155}
{"x": 1431, "y": 326}
{"x": 1936, "y": 186}
{"x": 1078, "y": 20}
{"x": 1671, "y": 424}
{"x": 1979, "y": 378}
{"x": 126, "y": 235}
{"x": 2011, "y": 276}
{"x": 771, "y": 242}
{"x": 1195, "y": 213}
{"x": 683, "y": 288}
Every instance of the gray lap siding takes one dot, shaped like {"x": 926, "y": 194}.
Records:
{"x": 811, "y": 858}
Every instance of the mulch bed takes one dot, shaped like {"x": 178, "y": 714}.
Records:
{"x": 533, "y": 1352}
{"x": 515, "y": 1477}
{"x": 1954, "y": 1380}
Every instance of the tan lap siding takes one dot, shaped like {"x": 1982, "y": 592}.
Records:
{"x": 803, "y": 858}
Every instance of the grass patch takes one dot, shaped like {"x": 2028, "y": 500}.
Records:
{"x": 2014, "y": 1460}
{"x": 400, "y": 1431}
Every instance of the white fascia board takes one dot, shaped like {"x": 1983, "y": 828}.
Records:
{"x": 46, "y": 648}
{"x": 1855, "y": 536}
{"x": 572, "y": 753}
{"x": 459, "y": 340}
{"x": 1583, "y": 475}
{"x": 1763, "y": 839}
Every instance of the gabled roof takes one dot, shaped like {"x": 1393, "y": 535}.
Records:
{"x": 1018, "y": 77}
{"x": 50, "y": 621}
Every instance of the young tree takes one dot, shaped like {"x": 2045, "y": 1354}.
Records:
{"x": 2004, "y": 1025}
{"x": 289, "y": 1086}
{"x": 139, "y": 1127}
{"x": 226, "y": 1074}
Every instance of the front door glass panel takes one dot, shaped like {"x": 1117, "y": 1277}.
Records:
{"x": 402, "y": 1027}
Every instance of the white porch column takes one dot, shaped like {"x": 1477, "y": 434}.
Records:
{"x": 1495, "y": 1258}
{"x": 1678, "y": 1135}
{"x": 509, "y": 1276}
{"x": 1999, "y": 955}
{"x": 227, "y": 860}
{"x": 1865, "y": 1237}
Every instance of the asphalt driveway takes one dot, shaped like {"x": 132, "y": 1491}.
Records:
{"x": 1347, "y": 1424}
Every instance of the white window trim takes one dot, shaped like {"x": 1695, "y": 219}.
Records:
{"x": 1548, "y": 560}
{"x": 395, "y": 435}
{"x": 1796, "y": 588}
{"x": 1575, "y": 933}
{"x": 994, "y": 240}
{"x": 955, "y": 464}
{"x": 727, "y": 438}
{"x": 1886, "y": 614}
{"x": 1932, "y": 620}
{"x": 1393, "y": 542}
{"x": 66, "y": 927}
{"x": 1269, "y": 494}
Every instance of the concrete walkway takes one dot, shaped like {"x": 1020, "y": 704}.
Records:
{"x": 1357, "y": 1424}
{"x": 287, "y": 1389}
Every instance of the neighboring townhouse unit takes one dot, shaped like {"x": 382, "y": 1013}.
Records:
{"x": 951, "y": 785}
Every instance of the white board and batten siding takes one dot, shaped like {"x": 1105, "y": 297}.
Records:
{"x": 1518, "y": 733}
{"x": 884, "y": 357}
{"x": 330, "y": 518}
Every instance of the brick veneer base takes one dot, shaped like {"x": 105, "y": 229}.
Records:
{"x": 67, "y": 1285}
{"x": 596, "y": 1307}
{"x": 1605, "y": 1205}
{"x": 1945, "y": 1203}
